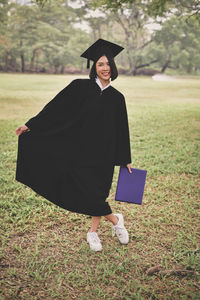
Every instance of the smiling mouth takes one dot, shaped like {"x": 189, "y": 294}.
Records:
{"x": 105, "y": 73}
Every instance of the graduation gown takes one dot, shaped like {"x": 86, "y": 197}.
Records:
{"x": 69, "y": 154}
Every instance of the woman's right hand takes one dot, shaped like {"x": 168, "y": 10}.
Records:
{"x": 21, "y": 129}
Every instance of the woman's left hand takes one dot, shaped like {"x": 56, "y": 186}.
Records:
{"x": 129, "y": 168}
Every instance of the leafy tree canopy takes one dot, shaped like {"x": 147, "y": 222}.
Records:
{"x": 155, "y": 7}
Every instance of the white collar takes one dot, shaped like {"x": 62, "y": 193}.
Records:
{"x": 100, "y": 85}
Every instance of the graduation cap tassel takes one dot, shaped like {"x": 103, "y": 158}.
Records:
{"x": 88, "y": 64}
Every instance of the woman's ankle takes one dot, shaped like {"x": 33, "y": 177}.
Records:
{"x": 112, "y": 218}
{"x": 91, "y": 230}
{"x": 115, "y": 221}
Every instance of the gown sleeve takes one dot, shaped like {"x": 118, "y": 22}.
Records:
{"x": 59, "y": 113}
{"x": 123, "y": 149}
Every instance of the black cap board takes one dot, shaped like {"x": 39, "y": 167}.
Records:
{"x": 99, "y": 48}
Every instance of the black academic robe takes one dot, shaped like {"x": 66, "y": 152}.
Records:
{"x": 69, "y": 154}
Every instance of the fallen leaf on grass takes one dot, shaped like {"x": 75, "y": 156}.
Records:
{"x": 178, "y": 272}
{"x": 153, "y": 270}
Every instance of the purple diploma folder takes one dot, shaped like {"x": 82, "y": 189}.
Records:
{"x": 130, "y": 186}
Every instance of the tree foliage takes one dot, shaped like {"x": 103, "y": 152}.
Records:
{"x": 47, "y": 39}
{"x": 155, "y": 7}
{"x": 177, "y": 45}
{"x": 129, "y": 29}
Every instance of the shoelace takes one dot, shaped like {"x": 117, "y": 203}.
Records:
{"x": 117, "y": 230}
{"x": 94, "y": 237}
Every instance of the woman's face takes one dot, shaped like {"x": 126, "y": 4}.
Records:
{"x": 103, "y": 68}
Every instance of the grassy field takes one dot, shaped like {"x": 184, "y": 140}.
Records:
{"x": 44, "y": 253}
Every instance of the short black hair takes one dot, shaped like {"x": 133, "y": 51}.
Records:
{"x": 113, "y": 69}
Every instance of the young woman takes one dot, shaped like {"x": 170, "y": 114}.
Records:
{"x": 67, "y": 152}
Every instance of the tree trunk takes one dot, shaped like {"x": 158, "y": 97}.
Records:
{"x": 22, "y": 57}
{"x": 6, "y": 62}
{"x": 33, "y": 59}
{"x": 147, "y": 64}
{"x": 134, "y": 71}
{"x": 165, "y": 66}
{"x": 189, "y": 69}
{"x": 22, "y": 62}
{"x": 132, "y": 68}
{"x": 62, "y": 69}
{"x": 55, "y": 70}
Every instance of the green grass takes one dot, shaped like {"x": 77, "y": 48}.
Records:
{"x": 44, "y": 254}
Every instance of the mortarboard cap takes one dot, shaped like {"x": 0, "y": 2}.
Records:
{"x": 99, "y": 48}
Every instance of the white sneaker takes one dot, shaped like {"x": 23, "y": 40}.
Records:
{"x": 94, "y": 241}
{"x": 120, "y": 230}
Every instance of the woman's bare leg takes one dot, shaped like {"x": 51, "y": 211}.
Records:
{"x": 96, "y": 220}
{"x": 112, "y": 218}
{"x": 95, "y": 224}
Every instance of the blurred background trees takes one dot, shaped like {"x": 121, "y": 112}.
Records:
{"x": 50, "y": 37}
